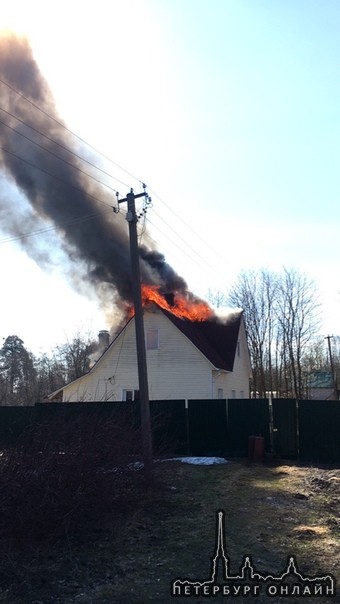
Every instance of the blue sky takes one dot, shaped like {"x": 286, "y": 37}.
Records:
{"x": 227, "y": 109}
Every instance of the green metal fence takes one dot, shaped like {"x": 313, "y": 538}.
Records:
{"x": 285, "y": 428}
{"x": 247, "y": 417}
{"x": 207, "y": 427}
{"x": 305, "y": 430}
{"x": 319, "y": 431}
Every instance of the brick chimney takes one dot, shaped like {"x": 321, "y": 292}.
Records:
{"x": 103, "y": 339}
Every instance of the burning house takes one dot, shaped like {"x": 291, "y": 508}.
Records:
{"x": 191, "y": 354}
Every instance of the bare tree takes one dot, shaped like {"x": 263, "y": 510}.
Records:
{"x": 51, "y": 375}
{"x": 298, "y": 322}
{"x": 281, "y": 318}
{"x": 217, "y": 298}
{"x": 26, "y": 379}
{"x": 74, "y": 355}
{"x": 255, "y": 293}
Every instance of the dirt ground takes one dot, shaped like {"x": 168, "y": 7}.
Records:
{"x": 272, "y": 511}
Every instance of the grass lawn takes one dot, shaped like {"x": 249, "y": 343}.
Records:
{"x": 271, "y": 511}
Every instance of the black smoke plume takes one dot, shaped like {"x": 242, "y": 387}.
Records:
{"x": 50, "y": 175}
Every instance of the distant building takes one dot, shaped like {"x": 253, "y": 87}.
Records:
{"x": 321, "y": 386}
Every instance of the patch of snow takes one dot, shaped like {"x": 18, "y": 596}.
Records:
{"x": 136, "y": 465}
{"x": 199, "y": 461}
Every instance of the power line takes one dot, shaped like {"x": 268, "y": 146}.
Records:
{"x": 187, "y": 225}
{"x": 68, "y": 130}
{"x": 58, "y": 157}
{"x": 183, "y": 251}
{"x": 96, "y": 167}
{"x": 199, "y": 256}
{"x": 41, "y": 231}
{"x": 59, "y": 145}
{"x": 52, "y": 228}
{"x": 54, "y": 176}
{"x": 107, "y": 158}
{"x": 177, "y": 235}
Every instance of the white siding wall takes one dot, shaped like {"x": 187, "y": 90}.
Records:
{"x": 235, "y": 384}
{"x": 238, "y": 381}
{"x": 176, "y": 370}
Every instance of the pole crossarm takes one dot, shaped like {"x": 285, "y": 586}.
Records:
{"x": 144, "y": 194}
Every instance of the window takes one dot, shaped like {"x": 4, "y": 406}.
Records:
{"x": 130, "y": 395}
{"x": 152, "y": 339}
{"x": 220, "y": 393}
{"x": 127, "y": 395}
{"x": 233, "y": 394}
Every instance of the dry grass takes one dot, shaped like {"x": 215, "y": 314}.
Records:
{"x": 272, "y": 511}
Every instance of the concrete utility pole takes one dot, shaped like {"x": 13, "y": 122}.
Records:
{"x": 132, "y": 219}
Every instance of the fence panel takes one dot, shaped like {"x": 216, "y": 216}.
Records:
{"x": 14, "y": 421}
{"x": 285, "y": 428}
{"x": 75, "y": 410}
{"x": 65, "y": 422}
{"x": 168, "y": 419}
{"x": 319, "y": 431}
{"x": 247, "y": 417}
{"x": 207, "y": 427}
{"x": 169, "y": 429}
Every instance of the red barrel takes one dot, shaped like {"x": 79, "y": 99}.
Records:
{"x": 251, "y": 445}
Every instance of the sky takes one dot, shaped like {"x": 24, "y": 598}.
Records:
{"x": 228, "y": 110}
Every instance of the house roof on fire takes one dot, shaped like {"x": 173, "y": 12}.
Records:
{"x": 215, "y": 338}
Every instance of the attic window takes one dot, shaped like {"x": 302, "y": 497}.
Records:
{"x": 152, "y": 339}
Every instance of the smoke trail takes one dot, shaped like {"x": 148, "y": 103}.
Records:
{"x": 58, "y": 193}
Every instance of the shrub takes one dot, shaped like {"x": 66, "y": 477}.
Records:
{"x": 62, "y": 475}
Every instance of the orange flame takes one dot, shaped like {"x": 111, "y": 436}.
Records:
{"x": 182, "y": 307}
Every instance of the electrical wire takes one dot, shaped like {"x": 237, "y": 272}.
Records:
{"x": 52, "y": 228}
{"x": 201, "y": 258}
{"x": 54, "y": 176}
{"x": 60, "y": 158}
{"x": 59, "y": 145}
{"x": 188, "y": 226}
{"x": 107, "y": 158}
{"x": 120, "y": 351}
{"x": 143, "y": 230}
{"x": 98, "y": 168}
{"x": 68, "y": 130}
{"x": 195, "y": 260}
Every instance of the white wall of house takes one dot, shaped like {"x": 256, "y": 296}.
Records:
{"x": 239, "y": 381}
{"x": 176, "y": 369}
{"x": 234, "y": 384}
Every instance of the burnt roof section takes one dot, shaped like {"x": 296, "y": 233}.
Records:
{"x": 215, "y": 338}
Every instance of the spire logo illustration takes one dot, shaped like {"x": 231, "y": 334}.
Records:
{"x": 249, "y": 582}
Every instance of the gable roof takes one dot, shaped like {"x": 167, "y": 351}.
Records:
{"x": 215, "y": 338}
